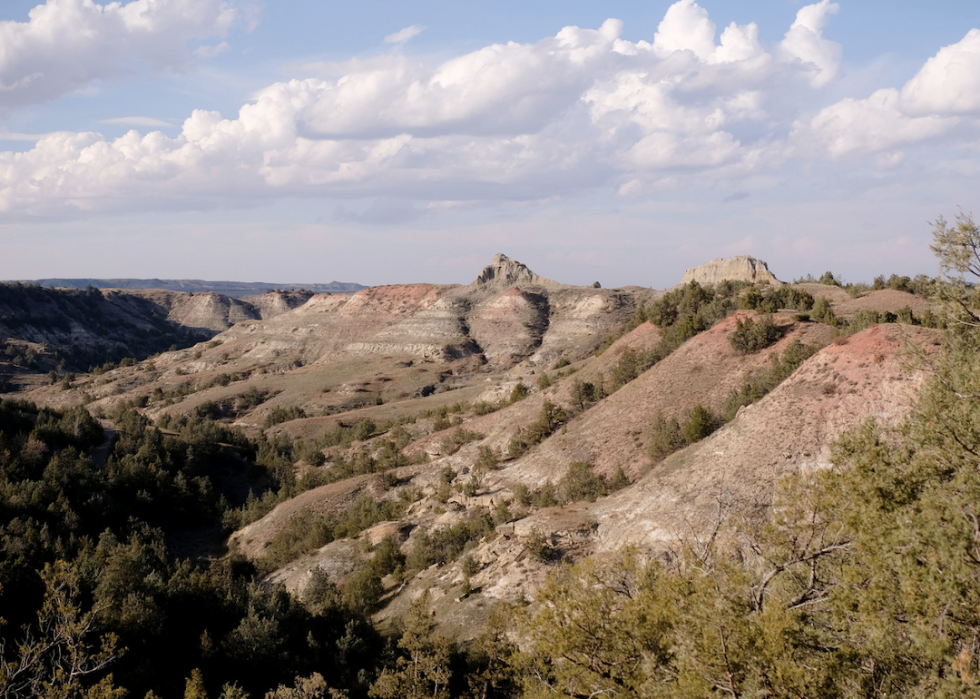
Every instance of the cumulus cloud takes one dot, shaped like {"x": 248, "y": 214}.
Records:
{"x": 685, "y": 27}
{"x": 520, "y": 122}
{"x": 67, "y": 44}
{"x": 874, "y": 124}
{"x": 804, "y": 42}
{"x": 943, "y": 95}
{"x": 949, "y": 83}
{"x": 403, "y": 35}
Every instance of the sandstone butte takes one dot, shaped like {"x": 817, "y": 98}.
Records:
{"x": 740, "y": 268}
{"x": 386, "y": 353}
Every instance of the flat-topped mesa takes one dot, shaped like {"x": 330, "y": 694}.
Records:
{"x": 740, "y": 269}
{"x": 504, "y": 273}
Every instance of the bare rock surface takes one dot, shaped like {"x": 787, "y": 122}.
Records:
{"x": 741, "y": 269}
{"x": 503, "y": 273}
{"x": 274, "y": 303}
{"x": 204, "y": 310}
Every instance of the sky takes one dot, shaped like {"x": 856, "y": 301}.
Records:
{"x": 385, "y": 141}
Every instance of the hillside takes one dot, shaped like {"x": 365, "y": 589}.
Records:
{"x": 75, "y": 330}
{"x": 428, "y": 454}
{"x": 438, "y": 369}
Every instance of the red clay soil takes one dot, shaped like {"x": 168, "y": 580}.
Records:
{"x": 705, "y": 370}
{"x": 791, "y": 430}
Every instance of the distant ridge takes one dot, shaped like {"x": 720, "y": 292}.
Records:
{"x": 233, "y": 289}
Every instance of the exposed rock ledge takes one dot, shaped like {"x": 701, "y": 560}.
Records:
{"x": 742, "y": 268}
{"x": 503, "y": 273}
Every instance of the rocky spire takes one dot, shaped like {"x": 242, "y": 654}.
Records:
{"x": 504, "y": 272}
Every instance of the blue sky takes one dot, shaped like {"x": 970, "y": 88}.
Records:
{"x": 389, "y": 142}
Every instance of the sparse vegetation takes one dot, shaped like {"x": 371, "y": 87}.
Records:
{"x": 550, "y": 418}
{"x": 283, "y": 413}
{"x": 582, "y": 483}
{"x": 757, "y": 387}
{"x": 666, "y": 437}
{"x": 307, "y": 531}
{"x": 519, "y": 392}
{"x": 860, "y": 581}
{"x": 459, "y": 437}
{"x": 749, "y": 336}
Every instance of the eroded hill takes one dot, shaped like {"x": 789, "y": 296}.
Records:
{"x": 486, "y": 431}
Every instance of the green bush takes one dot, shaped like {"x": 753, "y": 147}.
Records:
{"x": 584, "y": 394}
{"x": 251, "y": 398}
{"x": 626, "y": 369}
{"x": 388, "y": 557}
{"x": 823, "y": 312}
{"x": 281, "y": 413}
{"x": 487, "y": 458}
{"x": 701, "y": 422}
{"x": 619, "y": 480}
{"x": 363, "y": 430}
{"x": 665, "y": 437}
{"x": 550, "y": 418}
{"x": 581, "y": 483}
{"x": 519, "y": 392}
{"x": 485, "y": 408}
{"x": 538, "y": 546}
{"x": 454, "y": 442}
{"x": 749, "y": 336}
{"x": 522, "y": 494}
{"x": 758, "y": 386}
{"x": 362, "y": 590}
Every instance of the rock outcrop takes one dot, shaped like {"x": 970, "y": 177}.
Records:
{"x": 741, "y": 269}
{"x": 503, "y": 273}
{"x": 275, "y": 303}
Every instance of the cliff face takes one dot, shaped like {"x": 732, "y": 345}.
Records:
{"x": 742, "y": 269}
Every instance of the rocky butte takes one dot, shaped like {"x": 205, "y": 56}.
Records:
{"x": 741, "y": 268}
{"x": 504, "y": 273}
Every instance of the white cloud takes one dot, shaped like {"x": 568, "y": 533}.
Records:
{"x": 873, "y": 125}
{"x": 403, "y": 35}
{"x": 685, "y": 27}
{"x": 804, "y": 42}
{"x": 67, "y": 44}
{"x": 949, "y": 82}
{"x": 138, "y": 121}
{"x": 942, "y": 96}
{"x": 514, "y": 122}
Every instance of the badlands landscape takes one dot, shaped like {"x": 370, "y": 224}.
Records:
{"x": 449, "y": 448}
